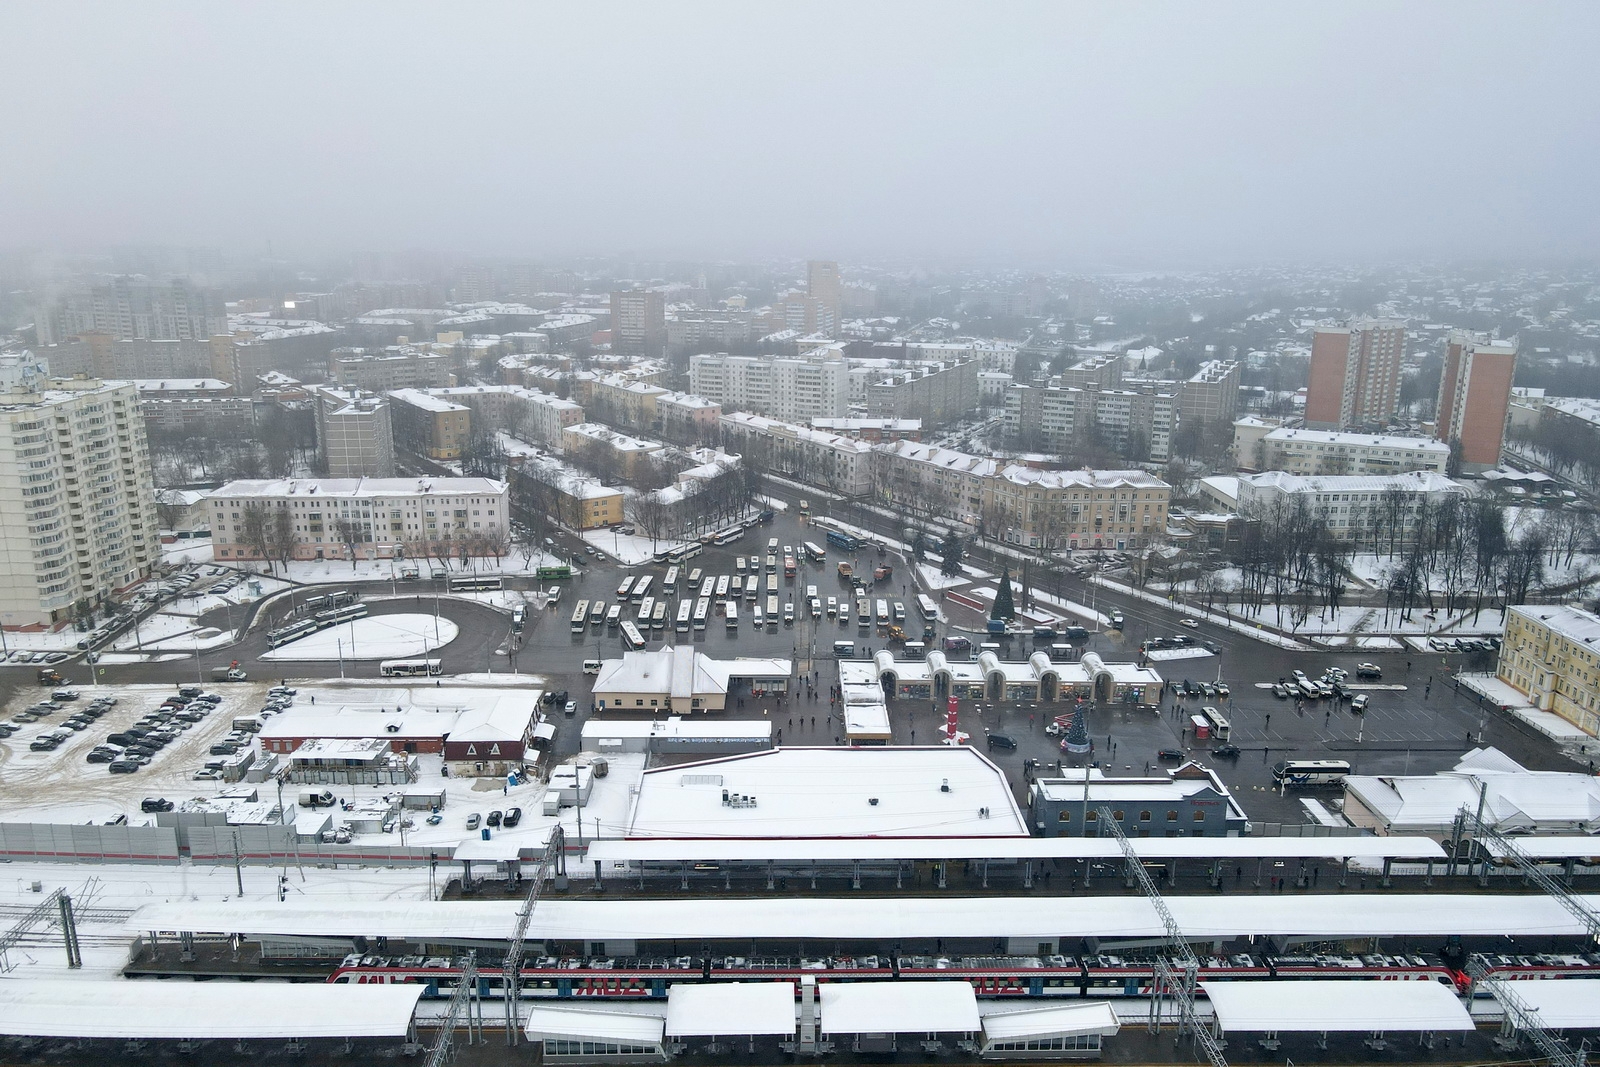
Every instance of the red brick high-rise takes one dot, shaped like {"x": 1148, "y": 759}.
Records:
{"x": 1475, "y": 396}
{"x": 1355, "y": 374}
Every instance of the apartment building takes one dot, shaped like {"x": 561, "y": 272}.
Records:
{"x": 788, "y": 389}
{"x": 429, "y": 426}
{"x": 697, "y": 330}
{"x": 354, "y": 434}
{"x": 822, "y": 283}
{"x": 1355, "y": 374}
{"x": 622, "y": 453}
{"x": 1082, "y": 509}
{"x": 360, "y": 518}
{"x": 525, "y": 413}
{"x": 990, "y": 355}
{"x": 638, "y": 322}
{"x": 393, "y": 367}
{"x": 572, "y": 499}
{"x": 685, "y": 418}
{"x": 1551, "y": 655}
{"x": 1353, "y": 507}
{"x": 937, "y": 394}
{"x": 1301, "y": 451}
{"x": 1212, "y": 392}
{"x": 202, "y": 405}
{"x": 1475, "y": 396}
{"x": 130, "y": 307}
{"x": 79, "y": 522}
{"x": 1056, "y": 418}
{"x": 874, "y": 430}
{"x": 624, "y": 402}
{"x": 817, "y": 457}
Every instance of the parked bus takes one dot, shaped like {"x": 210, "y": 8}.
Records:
{"x": 814, "y": 552}
{"x": 325, "y": 602}
{"x": 1220, "y": 727}
{"x": 646, "y": 606}
{"x": 550, "y": 574}
{"x": 658, "y": 617}
{"x": 685, "y": 614}
{"x": 402, "y": 668}
{"x": 751, "y": 588}
{"x": 729, "y": 536}
{"x": 625, "y": 588}
{"x": 684, "y": 554}
{"x": 709, "y": 586}
{"x": 334, "y": 616}
{"x": 284, "y": 634}
{"x": 580, "y": 617}
{"x": 863, "y": 613}
{"x": 843, "y": 540}
{"x": 597, "y": 613}
{"x": 476, "y": 583}
{"x": 899, "y": 610}
{"x": 927, "y": 608}
{"x": 519, "y": 618}
{"x": 736, "y": 587}
{"x": 613, "y": 616}
{"x": 758, "y": 617}
{"x": 772, "y": 546}
{"x": 641, "y": 589}
{"x": 1310, "y": 771}
{"x": 721, "y": 591}
{"x": 772, "y": 584}
{"x": 702, "y": 608}
{"x": 695, "y": 575}
{"x": 669, "y": 584}
{"x": 883, "y": 612}
{"x": 772, "y": 609}
{"x": 731, "y": 614}
{"x": 738, "y": 565}
{"x": 631, "y": 636}
{"x": 772, "y": 564}
{"x": 788, "y": 566}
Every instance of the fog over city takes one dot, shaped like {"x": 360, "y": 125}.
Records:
{"x": 1139, "y": 135}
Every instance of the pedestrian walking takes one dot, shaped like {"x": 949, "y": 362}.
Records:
{"x": 1268, "y": 723}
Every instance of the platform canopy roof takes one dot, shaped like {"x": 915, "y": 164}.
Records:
{"x": 718, "y": 1009}
{"x": 199, "y": 1011}
{"x": 899, "y": 1008}
{"x": 589, "y": 1024}
{"x": 1556, "y": 847}
{"x": 1563, "y": 1004}
{"x": 1336, "y": 1006}
{"x": 755, "y": 850}
{"x": 879, "y": 919}
{"x": 1095, "y": 1017}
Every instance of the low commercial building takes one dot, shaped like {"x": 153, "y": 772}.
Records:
{"x": 1551, "y": 654}
{"x": 1191, "y": 801}
{"x": 1512, "y": 798}
{"x": 683, "y": 679}
{"x": 349, "y": 761}
{"x": 361, "y": 518}
{"x": 677, "y": 736}
{"x": 478, "y": 734}
{"x": 1038, "y": 678}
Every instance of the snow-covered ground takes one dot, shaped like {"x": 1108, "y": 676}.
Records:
{"x": 630, "y": 550}
{"x": 929, "y": 577}
{"x": 375, "y": 637}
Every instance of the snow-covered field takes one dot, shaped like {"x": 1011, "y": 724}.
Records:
{"x": 375, "y": 637}
{"x": 629, "y": 550}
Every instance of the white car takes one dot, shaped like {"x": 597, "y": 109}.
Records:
{"x": 1191, "y": 623}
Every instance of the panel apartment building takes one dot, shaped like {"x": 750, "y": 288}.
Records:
{"x": 936, "y": 393}
{"x": 385, "y": 518}
{"x": 354, "y": 434}
{"x": 1355, "y": 374}
{"x": 79, "y": 522}
{"x": 788, "y": 389}
{"x": 639, "y": 322}
{"x": 1475, "y": 396}
{"x": 1056, "y": 417}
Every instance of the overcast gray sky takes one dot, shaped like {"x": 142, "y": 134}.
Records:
{"x": 1054, "y": 134}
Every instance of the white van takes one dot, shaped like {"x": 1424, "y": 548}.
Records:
{"x": 591, "y": 666}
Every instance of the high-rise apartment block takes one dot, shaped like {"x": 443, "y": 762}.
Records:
{"x": 638, "y": 322}
{"x": 354, "y": 433}
{"x": 130, "y": 308}
{"x": 1475, "y": 396}
{"x": 822, "y": 283}
{"x": 793, "y": 390}
{"x": 1355, "y": 374}
{"x": 78, "y": 522}
{"x": 1212, "y": 392}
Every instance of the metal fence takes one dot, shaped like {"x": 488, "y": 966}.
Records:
{"x": 69, "y": 842}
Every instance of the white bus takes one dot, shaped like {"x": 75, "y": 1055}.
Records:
{"x": 758, "y": 617}
{"x": 685, "y": 615}
{"x": 580, "y": 617}
{"x": 772, "y": 609}
{"x": 772, "y": 546}
{"x": 684, "y": 554}
{"x": 646, "y": 606}
{"x": 1220, "y": 727}
{"x": 772, "y": 564}
{"x": 738, "y": 565}
{"x": 597, "y": 613}
{"x": 752, "y": 587}
{"x": 883, "y": 613}
{"x": 669, "y": 584}
{"x": 1310, "y": 771}
{"x": 658, "y": 617}
{"x": 631, "y": 635}
{"x": 695, "y": 575}
{"x": 722, "y": 587}
{"x": 401, "y": 668}
{"x": 709, "y": 586}
{"x": 702, "y": 608}
{"x": 519, "y": 618}
{"x": 927, "y": 608}
{"x": 732, "y": 614}
{"x": 772, "y": 584}
{"x": 736, "y": 587}
{"x": 625, "y": 588}
{"x": 613, "y": 616}
{"x": 641, "y": 589}
{"x": 814, "y": 552}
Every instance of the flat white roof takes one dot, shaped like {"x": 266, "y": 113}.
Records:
{"x": 1567, "y": 1004}
{"x": 886, "y": 919}
{"x": 1095, "y": 1017}
{"x": 202, "y": 1010}
{"x": 1336, "y": 1006}
{"x": 1007, "y": 848}
{"x": 1559, "y": 847}
{"x": 680, "y": 728}
{"x": 830, "y": 792}
{"x": 898, "y": 1008}
{"x": 720, "y": 1008}
{"x": 618, "y": 1027}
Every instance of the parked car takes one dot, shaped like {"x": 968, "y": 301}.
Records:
{"x": 122, "y": 766}
{"x": 474, "y": 820}
{"x": 494, "y": 818}
{"x": 1001, "y": 741}
{"x": 513, "y": 816}
{"x": 1359, "y": 704}
{"x": 151, "y": 804}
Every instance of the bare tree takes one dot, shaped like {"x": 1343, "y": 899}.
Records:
{"x": 351, "y": 535}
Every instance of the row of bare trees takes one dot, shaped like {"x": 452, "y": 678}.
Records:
{"x": 700, "y": 506}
